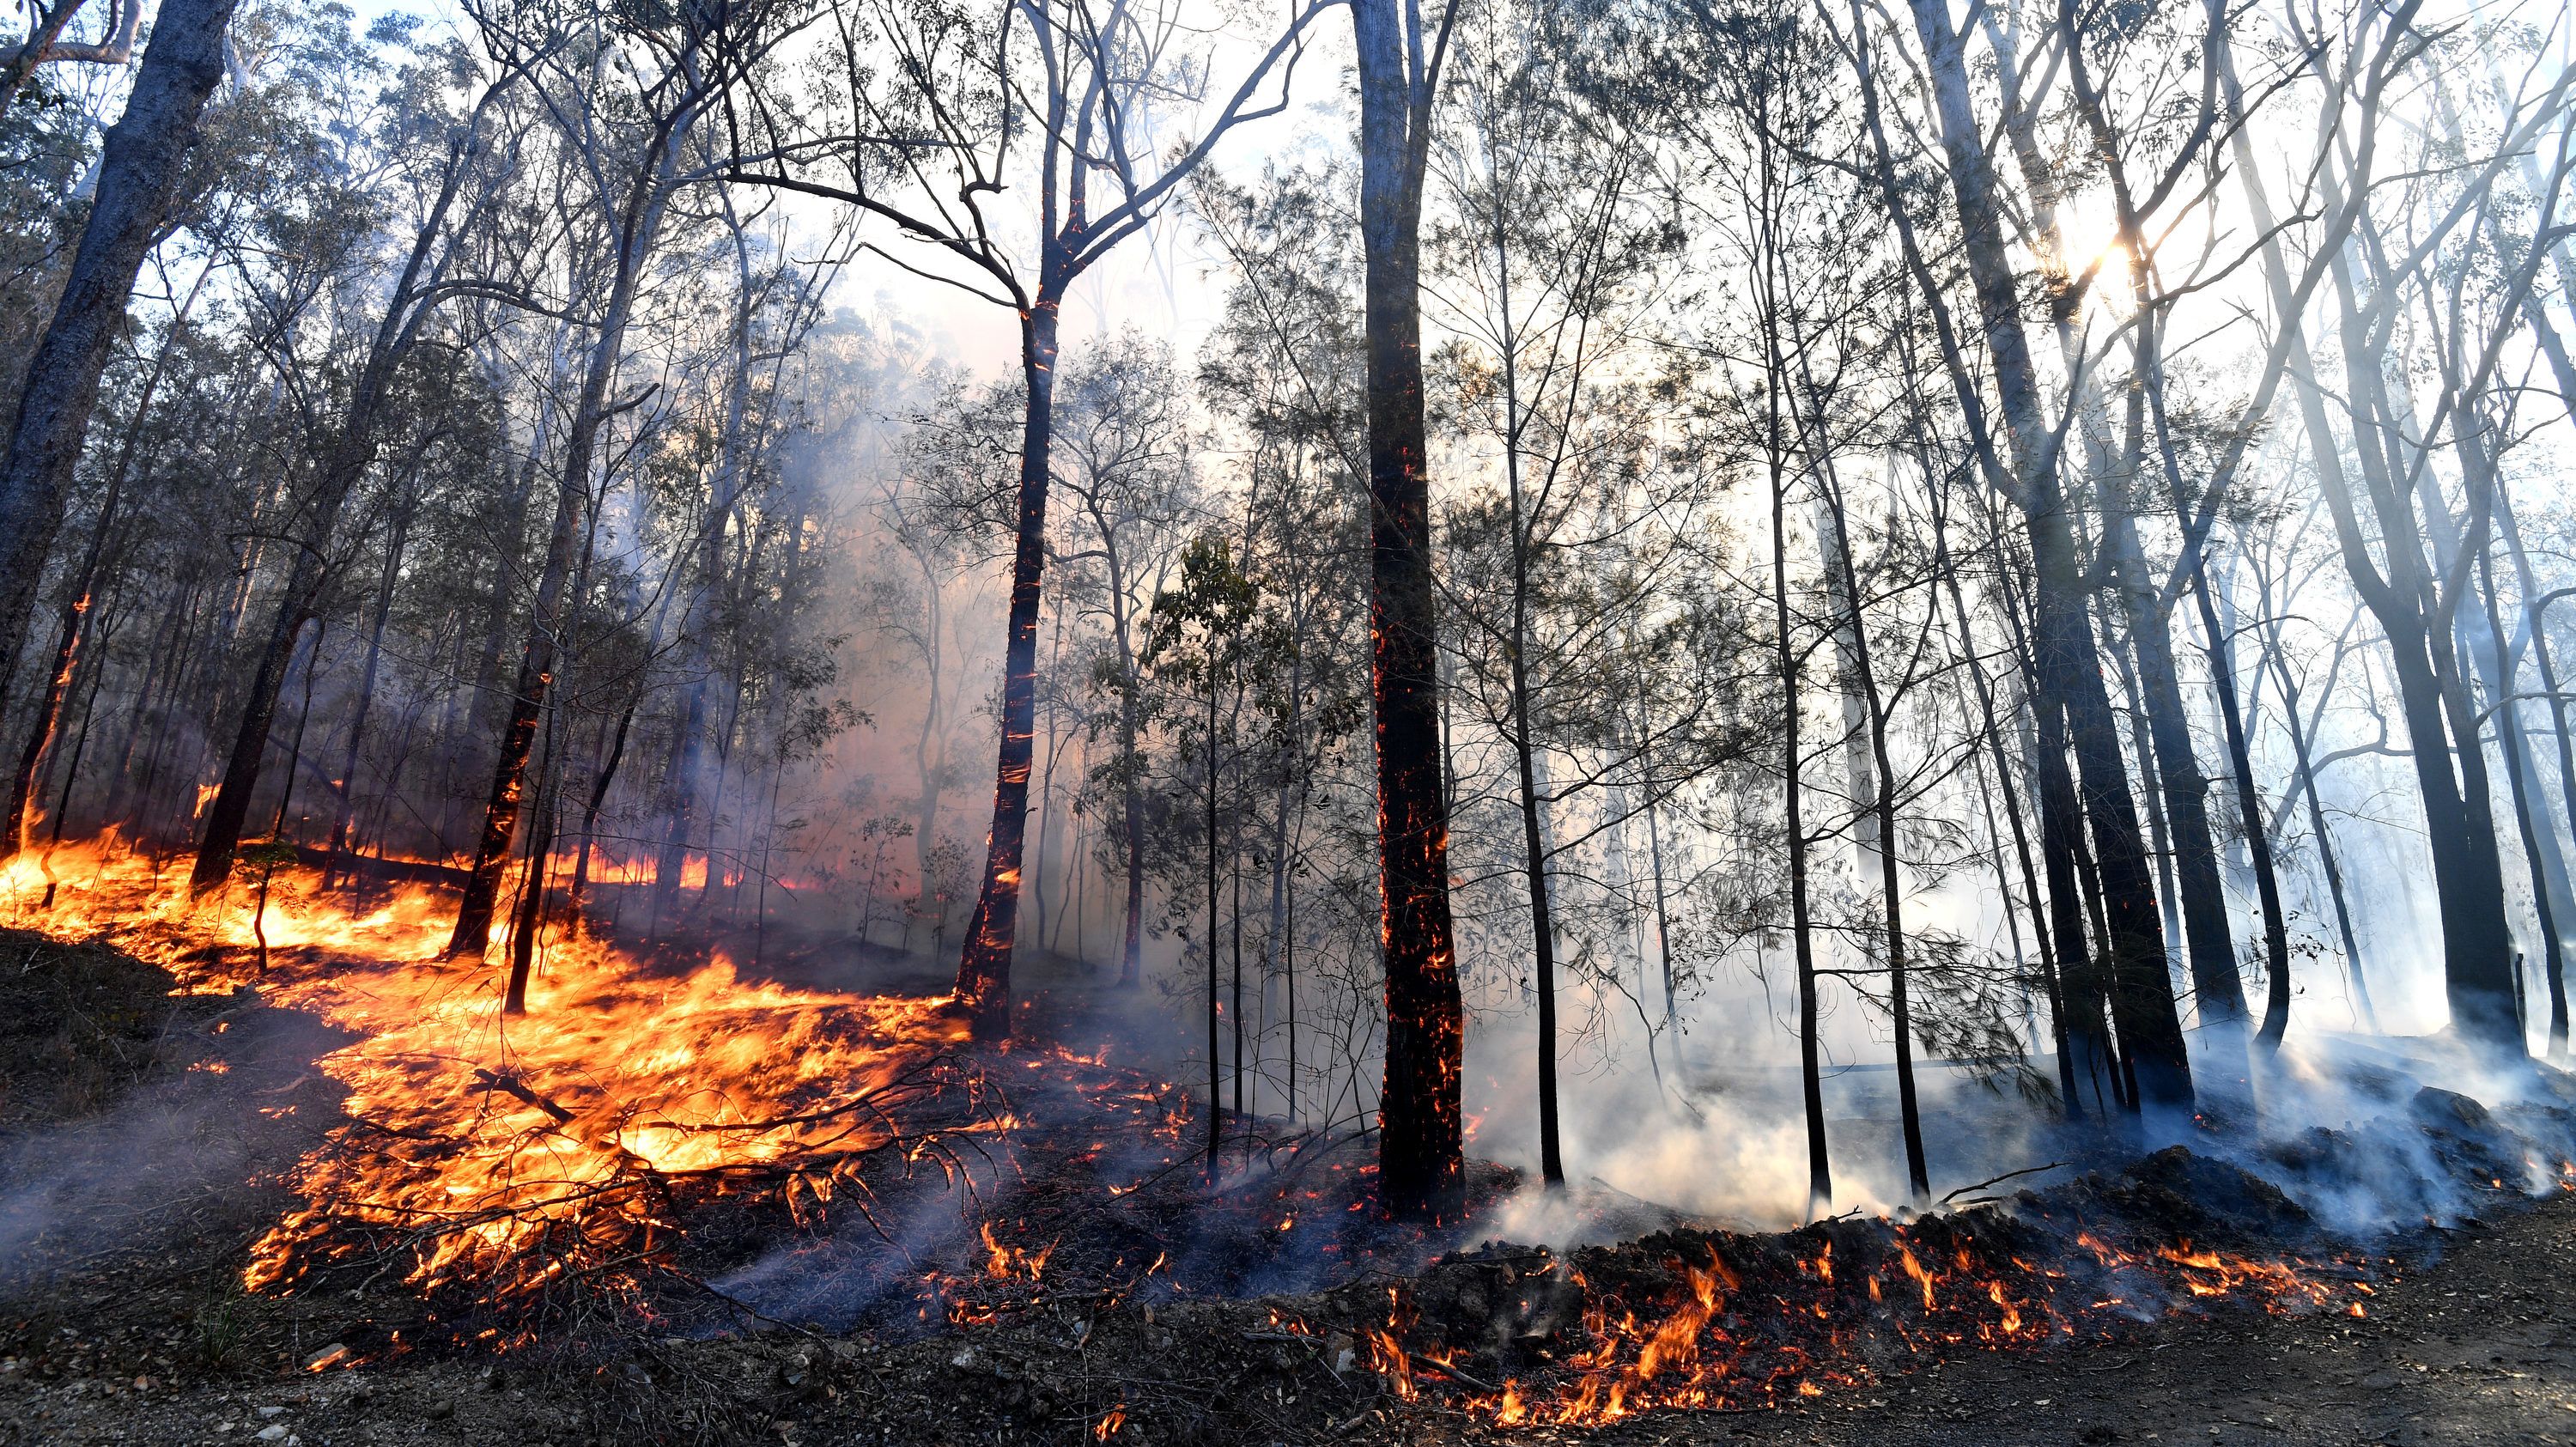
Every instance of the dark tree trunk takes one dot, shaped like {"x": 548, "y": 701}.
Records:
{"x": 2209, "y": 941}
{"x": 1551, "y": 1151}
{"x": 984, "y": 968}
{"x": 1882, "y": 807}
{"x": 2068, "y": 666}
{"x": 599, "y": 796}
{"x": 679, "y": 801}
{"x": 2468, "y": 873}
{"x": 138, "y": 176}
{"x": 1216, "y": 1065}
{"x": 1131, "y": 954}
{"x": 1421, "y": 1159}
{"x": 1785, "y": 657}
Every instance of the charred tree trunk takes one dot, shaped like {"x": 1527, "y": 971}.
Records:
{"x": 1420, "y": 1140}
{"x": 984, "y": 971}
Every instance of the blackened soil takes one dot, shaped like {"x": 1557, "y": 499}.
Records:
{"x": 2474, "y": 1344}
{"x": 146, "y": 1135}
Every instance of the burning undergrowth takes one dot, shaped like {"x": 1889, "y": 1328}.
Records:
{"x": 1714, "y": 1320}
{"x": 670, "y": 1148}
{"x": 663, "y": 1145}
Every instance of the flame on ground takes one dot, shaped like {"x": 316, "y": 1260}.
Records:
{"x": 505, "y": 1154}
{"x": 1719, "y": 1344}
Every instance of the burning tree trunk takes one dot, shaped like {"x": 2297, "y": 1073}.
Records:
{"x": 71, "y": 627}
{"x": 984, "y": 972}
{"x": 638, "y": 219}
{"x": 139, "y": 171}
{"x": 1421, "y": 1163}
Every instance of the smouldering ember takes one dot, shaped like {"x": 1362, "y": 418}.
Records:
{"x": 1706, "y": 1332}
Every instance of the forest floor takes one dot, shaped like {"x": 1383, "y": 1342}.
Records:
{"x": 144, "y": 1136}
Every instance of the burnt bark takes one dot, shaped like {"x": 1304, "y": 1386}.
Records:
{"x": 984, "y": 970}
{"x": 1421, "y": 1160}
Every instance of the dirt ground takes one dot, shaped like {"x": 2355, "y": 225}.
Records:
{"x": 141, "y": 1138}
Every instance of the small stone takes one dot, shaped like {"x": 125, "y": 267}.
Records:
{"x": 272, "y": 1411}
{"x": 275, "y": 1432}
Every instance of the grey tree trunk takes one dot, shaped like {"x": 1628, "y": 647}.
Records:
{"x": 138, "y": 177}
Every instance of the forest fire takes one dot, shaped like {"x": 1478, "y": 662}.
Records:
{"x": 509, "y": 1154}
{"x": 1745, "y": 1337}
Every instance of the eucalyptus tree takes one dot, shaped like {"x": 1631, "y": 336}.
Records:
{"x": 937, "y": 120}
{"x": 48, "y": 41}
{"x": 1421, "y": 1160}
{"x": 1544, "y": 268}
{"x": 431, "y": 183}
{"x": 629, "y": 99}
{"x": 2020, "y": 460}
{"x": 2412, "y": 599}
{"x": 140, "y": 171}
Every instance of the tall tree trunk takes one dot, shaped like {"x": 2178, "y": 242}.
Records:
{"x": 140, "y": 167}
{"x": 1421, "y": 1160}
{"x": 1882, "y": 806}
{"x": 2068, "y": 665}
{"x": 1551, "y": 1152}
{"x": 2534, "y": 626}
{"x": 984, "y": 967}
{"x": 1786, "y": 656}
{"x": 2209, "y": 941}
{"x": 2525, "y": 805}
{"x": 1216, "y": 1076}
{"x": 645, "y": 204}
